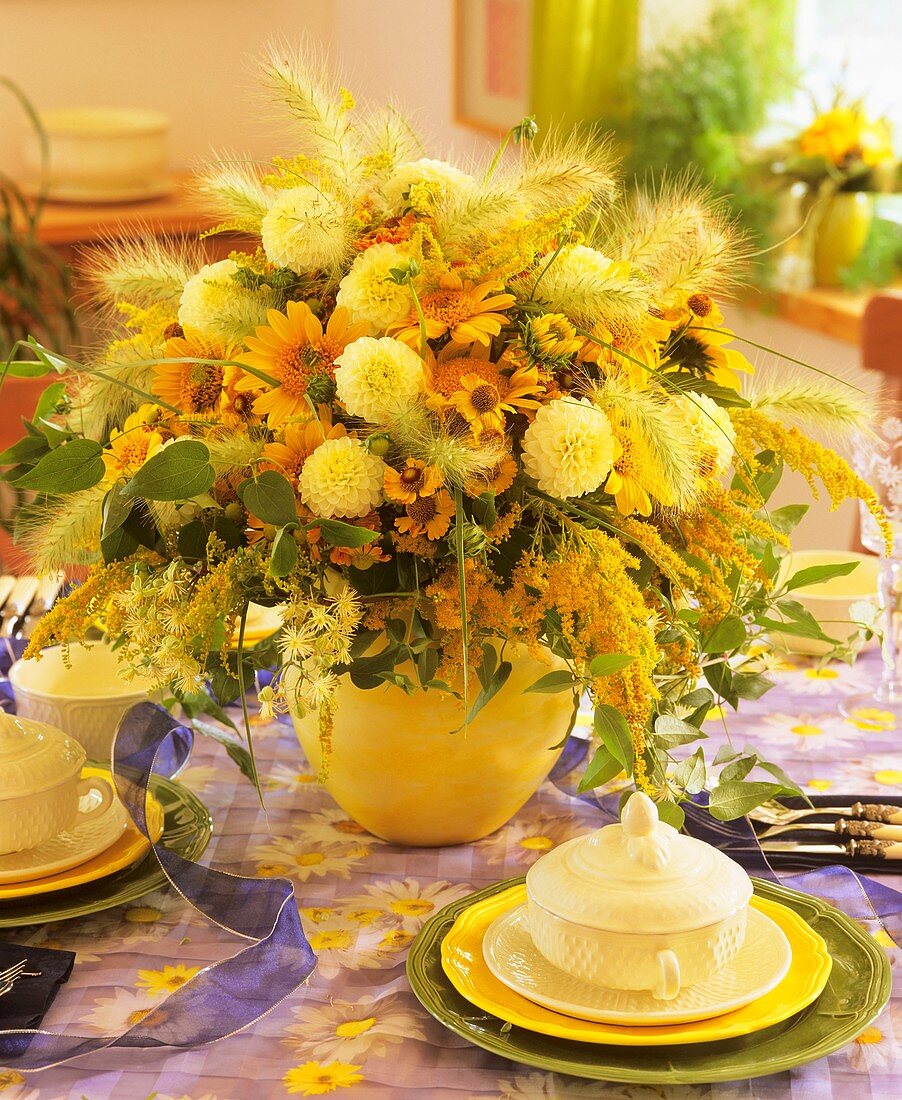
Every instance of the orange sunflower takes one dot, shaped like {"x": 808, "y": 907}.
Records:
{"x": 300, "y": 440}
{"x": 483, "y": 401}
{"x": 193, "y": 388}
{"x": 496, "y": 479}
{"x": 415, "y": 480}
{"x": 429, "y": 516}
{"x": 463, "y": 309}
{"x": 634, "y": 350}
{"x": 142, "y": 435}
{"x": 294, "y": 349}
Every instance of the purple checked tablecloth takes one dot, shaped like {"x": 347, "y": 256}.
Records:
{"x": 355, "y": 1030}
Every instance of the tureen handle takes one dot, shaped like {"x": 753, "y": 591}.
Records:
{"x": 645, "y": 840}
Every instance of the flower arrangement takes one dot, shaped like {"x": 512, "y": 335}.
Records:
{"x": 432, "y": 413}
{"x": 842, "y": 149}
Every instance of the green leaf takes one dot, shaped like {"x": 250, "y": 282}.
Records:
{"x": 671, "y": 731}
{"x": 499, "y": 678}
{"x": 176, "y": 472}
{"x": 751, "y": 685}
{"x": 738, "y": 769}
{"x": 47, "y": 402}
{"x": 720, "y": 677}
{"x": 69, "y": 468}
{"x": 559, "y": 680}
{"x": 727, "y": 635}
{"x": 671, "y": 814}
{"x": 606, "y": 664}
{"x": 337, "y": 533}
{"x": 28, "y": 449}
{"x": 270, "y": 497}
{"x": 116, "y": 510}
{"x": 736, "y": 798}
{"x": 690, "y": 774}
{"x": 786, "y": 519}
{"x": 815, "y": 573}
{"x": 284, "y": 556}
{"x": 601, "y": 769}
{"x": 611, "y": 727}
{"x": 236, "y": 751}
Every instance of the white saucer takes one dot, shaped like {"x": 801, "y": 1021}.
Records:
{"x": 513, "y": 958}
{"x": 77, "y": 845}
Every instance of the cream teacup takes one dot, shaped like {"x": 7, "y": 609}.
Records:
{"x": 85, "y": 698}
{"x": 41, "y": 789}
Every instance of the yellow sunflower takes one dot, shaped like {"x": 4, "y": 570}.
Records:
{"x": 294, "y": 349}
{"x": 631, "y": 480}
{"x": 142, "y": 435}
{"x": 429, "y": 516}
{"x": 415, "y": 480}
{"x": 194, "y": 388}
{"x": 701, "y": 349}
{"x": 467, "y": 311}
{"x": 634, "y": 351}
{"x": 166, "y": 980}
{"x": 483, "y": 401}
{"x": 496, "y": 479}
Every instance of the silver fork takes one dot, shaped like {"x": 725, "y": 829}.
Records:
{"x": 12, "y": 974}
{"x": 772, "y": 813}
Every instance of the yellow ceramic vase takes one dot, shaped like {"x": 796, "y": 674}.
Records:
{"x": 396, "y": 767}
{"x": 842, "y": 230}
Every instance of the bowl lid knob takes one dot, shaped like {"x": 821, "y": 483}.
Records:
{"x": 646, "y": 841}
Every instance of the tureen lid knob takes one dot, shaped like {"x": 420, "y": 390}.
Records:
{"x": 646, "y": 841}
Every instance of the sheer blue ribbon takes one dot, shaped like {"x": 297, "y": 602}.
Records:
{"x": 225, "y": 997}
{"x": 873, "y": 903}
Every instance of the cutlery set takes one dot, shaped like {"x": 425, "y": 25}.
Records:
{"x": 23, "y": 600}
{"x": 872, "y": 830}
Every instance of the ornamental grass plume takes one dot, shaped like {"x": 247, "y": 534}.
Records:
{"x": 442, "y": 415}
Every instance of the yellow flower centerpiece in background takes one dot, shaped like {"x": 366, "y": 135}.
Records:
{"x": 483, "y": 436}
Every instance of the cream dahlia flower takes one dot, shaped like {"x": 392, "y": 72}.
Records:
{"x": 369, "y": 291}
{"x": 569, "y": 448}
{"x": 419, "y": 184}
{"x": 712, "y": 426}
{"x": 305, "y": 229}
{"x": 378, "y": 378}
{"x": 342, "y": 478}
{"x": 214, "y": 305}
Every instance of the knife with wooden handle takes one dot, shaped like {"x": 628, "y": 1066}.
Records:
{"x": 874, "y": 849}
{"x": 843, "y": 825}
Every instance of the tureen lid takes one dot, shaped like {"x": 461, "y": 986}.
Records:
{"x": 34, "y": 756}
{"x": 639, "y": 876}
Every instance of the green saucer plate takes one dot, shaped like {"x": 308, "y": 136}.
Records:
{"x": 858, "y": 988}
{"x": 187, "y": 827}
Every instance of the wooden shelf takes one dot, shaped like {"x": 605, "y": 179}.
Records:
{"x": 826, "y": 310}
{"x": 64, "y": 224}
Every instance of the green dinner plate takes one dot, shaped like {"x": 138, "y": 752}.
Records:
{"x": 187, "y": 828}
{"x": 858, "y": 988}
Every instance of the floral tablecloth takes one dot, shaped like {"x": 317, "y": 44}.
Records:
{"x": 355, "y": 1029}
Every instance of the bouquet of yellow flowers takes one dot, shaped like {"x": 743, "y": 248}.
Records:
{"x": 842, "y": 148}
{"x": 435, "y": 416}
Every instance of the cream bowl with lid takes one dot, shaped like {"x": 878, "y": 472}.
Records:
{"x": 41, "y": 785}
{"x": 638, "y": 905}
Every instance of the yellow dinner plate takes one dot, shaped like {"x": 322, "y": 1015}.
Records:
{"x": 128, "y": 849}
{"x": 463, "y": 962}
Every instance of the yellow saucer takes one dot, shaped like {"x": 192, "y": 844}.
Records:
{"x": 463, "y": 962}
{"x": 128, "y": 849}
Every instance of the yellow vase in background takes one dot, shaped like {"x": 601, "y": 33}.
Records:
{"x": 842, "y": 230}
{"x": 397, "y": 769}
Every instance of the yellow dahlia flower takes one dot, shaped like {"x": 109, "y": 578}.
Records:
{"x": 370, "y": 293}
{"x": 377, "y": 377}
{"x": 569, "y": 448}
{"x": 305, "y": 229}
{"x": 342, "y": 478}
{"x": 712, "y": 426}
{"x": 420, "y": 184}
{"x": 214, "y": 304}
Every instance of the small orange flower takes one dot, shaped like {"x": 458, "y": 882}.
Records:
{"x": 484, "y": 403}
{"x": 497, "y": 479}
{"x": 429, "y": 516}
{"x": 192, "y": 387}
{"x": 415, "y": 480}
